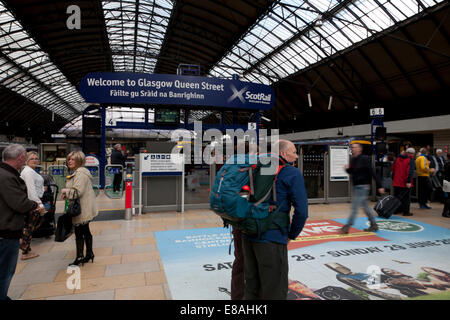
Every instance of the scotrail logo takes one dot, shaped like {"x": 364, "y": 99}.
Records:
{"x": 248, "y": 96}
{"x": 237, "y": 94}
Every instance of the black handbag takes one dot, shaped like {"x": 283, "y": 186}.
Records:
{"x": 435, "y": 183}
{"x": 74, "y": 207}
{"x": 63, "y": 228}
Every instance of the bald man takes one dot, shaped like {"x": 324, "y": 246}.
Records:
{"x": 266, "y": 261}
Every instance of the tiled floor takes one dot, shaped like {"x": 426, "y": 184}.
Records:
{"x": 127, "y": 263}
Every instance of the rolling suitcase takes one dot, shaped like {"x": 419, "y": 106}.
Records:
{"x": 386, "y": 206}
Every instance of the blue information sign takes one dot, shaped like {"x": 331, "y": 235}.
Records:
{"x": 92, "y": 170}
{"x": 57, "y": 172}
{"x": 114, "y": 170}
{"x": 165, "y": 89}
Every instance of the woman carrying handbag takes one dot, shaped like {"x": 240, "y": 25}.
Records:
{"x": 79, "y": 186}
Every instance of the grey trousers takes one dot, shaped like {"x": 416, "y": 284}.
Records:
{"x": 266, "y": 270}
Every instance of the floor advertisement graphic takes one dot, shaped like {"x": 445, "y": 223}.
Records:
{"x": 405, "y": 259}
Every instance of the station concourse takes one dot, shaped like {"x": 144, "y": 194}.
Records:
{"x": 128, "y": 263}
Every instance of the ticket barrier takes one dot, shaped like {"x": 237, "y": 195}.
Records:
{"x": 322, "y": 167}
{"x": 132, "y": 167}
{"x": 94, "y": 170}
{"x": 59, "y": 174}
{"x": 113, "y": 173}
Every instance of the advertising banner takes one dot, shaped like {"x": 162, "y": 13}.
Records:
{"x": 166, "y": 89}
{"x": 405, "y": 259}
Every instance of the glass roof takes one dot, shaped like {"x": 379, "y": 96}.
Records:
{"x": 293, "y": 35}
{"x": 28, "y": 71}
{"x": 136, "y": 33}
{"x": 297, "y": 34}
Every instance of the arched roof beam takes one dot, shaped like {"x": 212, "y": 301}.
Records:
{"x": 351, "y": 91}
{"x": 326, "y": 15}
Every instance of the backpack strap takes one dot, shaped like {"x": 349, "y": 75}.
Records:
{"x": 251, "y": 182}
{"x": 263, "y": 198}
{"x": 250, "y": 175}
{"x": 274, "y": 188}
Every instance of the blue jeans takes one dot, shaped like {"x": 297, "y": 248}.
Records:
{"x": 360, "y": 195}
{"x": 9, "y": 252}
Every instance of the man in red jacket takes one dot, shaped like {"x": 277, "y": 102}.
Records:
{"x": 403, "y": 170}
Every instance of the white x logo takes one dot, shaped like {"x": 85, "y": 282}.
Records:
{"x": 237, "y": 93}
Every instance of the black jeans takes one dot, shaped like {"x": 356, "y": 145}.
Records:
{"x": 266, "y": 270}
{"x": 424, "y": 191}
{"x": 83, "y": 235}
{"x": 117, "y": 181}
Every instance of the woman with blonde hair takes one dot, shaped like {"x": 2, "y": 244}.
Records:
{"x": 80, "y": 182}
{"x": 35, "y": 190}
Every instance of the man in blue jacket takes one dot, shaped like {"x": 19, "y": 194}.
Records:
{"x": 266, "y": 259}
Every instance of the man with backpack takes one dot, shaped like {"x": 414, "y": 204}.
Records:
{"x": 266, "y": 260}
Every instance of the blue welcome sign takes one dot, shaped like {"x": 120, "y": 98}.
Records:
{"x": 165, "y": 89}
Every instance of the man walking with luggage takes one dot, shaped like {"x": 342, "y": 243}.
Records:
{"x": 403, "y": 171}
{"x": 14, "y": 204}
{"x": 362, "y": 173}
{"x": 266, "y": 260}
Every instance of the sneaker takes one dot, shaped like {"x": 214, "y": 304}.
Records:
{"x": 424, "y": 206}
{"x": 408, "y": 214}
{"x": 373, "y": 227}
{"x": 345, "y": 229}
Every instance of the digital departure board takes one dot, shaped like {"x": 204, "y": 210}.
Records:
{"x": 167, "y": 116}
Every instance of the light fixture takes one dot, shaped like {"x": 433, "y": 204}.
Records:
{"x": 265, "y": 119}
{"x": 329, "y": 103}
{"x": 356, "y": 107}
{"x": 309, "y": 100}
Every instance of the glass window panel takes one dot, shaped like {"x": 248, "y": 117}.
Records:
{"x": 153, "y": 18}
{"x": 38, "y": 71}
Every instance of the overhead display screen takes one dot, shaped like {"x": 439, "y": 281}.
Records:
{"x": 167, "y": 116}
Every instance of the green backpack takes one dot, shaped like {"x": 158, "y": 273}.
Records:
{"x": 253, "y": 213}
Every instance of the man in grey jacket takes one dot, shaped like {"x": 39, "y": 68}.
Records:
{"x": 14, "y": 204}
